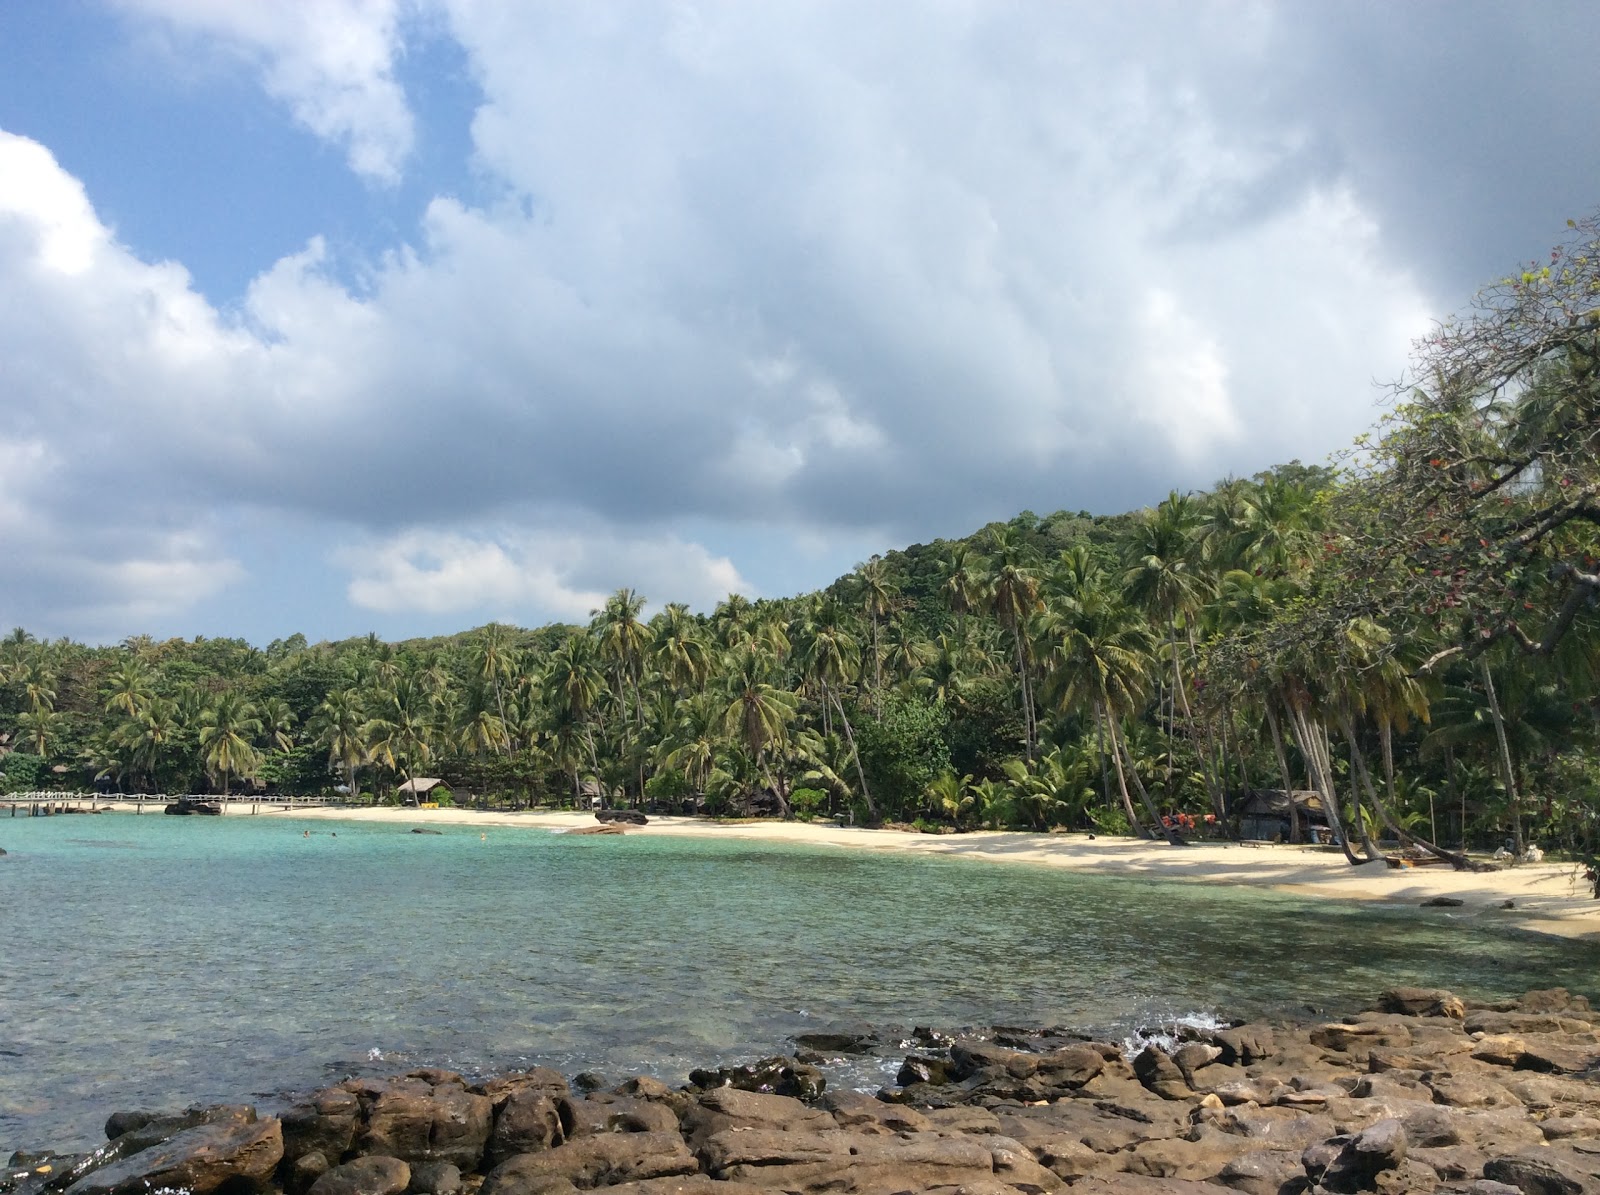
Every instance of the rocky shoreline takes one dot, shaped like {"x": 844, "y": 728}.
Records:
{"x": 1423, "y": 1093}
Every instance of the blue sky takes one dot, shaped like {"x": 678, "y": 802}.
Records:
{"x": 404, "y": 315}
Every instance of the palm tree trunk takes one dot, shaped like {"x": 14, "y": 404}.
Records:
{"x": 1505, "y": 753}
{"x": 1122, "y": 781}
{"x": 1385, "y": 812}
{"x": 1283, "y": 770}
{"x": 1167, "y": 831}
{"x": 855, "y": 756}
{"x": 1309, "y": 737}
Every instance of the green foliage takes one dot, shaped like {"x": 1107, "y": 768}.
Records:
{"x": 22, "y": 772}
{"x": 807, "y": 802}
{"x": 901, "y": 753}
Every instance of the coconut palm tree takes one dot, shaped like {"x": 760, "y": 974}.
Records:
{"x": 1011, "y": 586}
{"x": 758, "y": 714}
{"x": 229, "y": 728}
{"x": 339, "y": 726}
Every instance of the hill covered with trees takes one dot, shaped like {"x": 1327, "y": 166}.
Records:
{"x": 1414, "y": 635}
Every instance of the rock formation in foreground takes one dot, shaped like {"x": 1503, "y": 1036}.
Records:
{"x": 1423, "y": 1093}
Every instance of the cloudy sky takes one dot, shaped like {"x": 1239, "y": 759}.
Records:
{"x": 403, "y": 315}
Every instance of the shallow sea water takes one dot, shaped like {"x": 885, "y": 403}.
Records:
{"x": 150, "y": 961}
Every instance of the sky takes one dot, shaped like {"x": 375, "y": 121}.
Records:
{"x": 408, "y": 315}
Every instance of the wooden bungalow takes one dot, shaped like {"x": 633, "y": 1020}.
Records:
{"x": 416, "y": 790}
{"x": 1272, "y": 815}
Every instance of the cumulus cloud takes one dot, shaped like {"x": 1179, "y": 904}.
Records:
{"x": 739, "y": 281}
{"x": 331, "y": 62}
{"x": 566, "y": 573}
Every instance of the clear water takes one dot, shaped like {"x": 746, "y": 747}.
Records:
{"x": 150, "y": 961}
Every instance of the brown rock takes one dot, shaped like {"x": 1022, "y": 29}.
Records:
{"x": 1422, "y": 1002}
{"x": 729, "y": 1108}
{"x": 1469, "y": 1091}
{"x": 608, "y": 1113}
{"x": 969, "y": 1057}
{"x": 372, "y": 1175}
{"x": 1245, "y": 1044}
{"x": 1358, "y": 1040}
{"x": 848, "y": 1160}
{"x": 1262, "y": 1172}
{"x": 326, "y": 1123}
{"x": 1552, "y": 1000}
{"x": 1160, "y": 1074}
{"x": 1070, "y": 1068}
{"x": 962, "y": 1120}
{"x": 861, "y": 1112}
{"x": 600, "y": 1160}
{"x": 1532, "y": 1175}
{"x": 435, "y": 1178}
{"x": 198, "y": 1160}
{"x": 417, "y": 1121}
{"x": 778, "y": 1075}
{"x": 305, "y": 1170}
{"x": 528, "y": 1121}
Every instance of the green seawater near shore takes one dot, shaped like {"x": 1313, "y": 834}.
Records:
{"x": 153, "y": 961}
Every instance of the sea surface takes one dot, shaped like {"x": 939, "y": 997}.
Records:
{"x": 153, "y": 962}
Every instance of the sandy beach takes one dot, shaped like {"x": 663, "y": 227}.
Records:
{"x": 1549, "y": 898}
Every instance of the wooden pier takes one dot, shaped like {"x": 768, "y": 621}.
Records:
{"x": 56, "y": 804}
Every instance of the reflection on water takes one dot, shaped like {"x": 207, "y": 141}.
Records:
{"x": 171, "y": 960}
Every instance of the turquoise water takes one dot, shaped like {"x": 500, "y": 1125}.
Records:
{"x": 156, "y": 961}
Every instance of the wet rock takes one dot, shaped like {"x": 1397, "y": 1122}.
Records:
{"x": 603, "y": 1159}
{"x": 373, "y": 1175}
{"x": 1191, "y": 1056}
{"x": 1443, "y": 902}
{"x": 626, "y": 817}
{"x": 777, "y": 1075}
{"x": 844, "y": 1039}
{"x": 970, "y": 1057}
{"x": 1422, "y": 1002}
{"x": 198, "y": 1160}
{"x": 917, "y": 1069}
{"x": 119, "y": 1123}
{"x": 420, "y": 830}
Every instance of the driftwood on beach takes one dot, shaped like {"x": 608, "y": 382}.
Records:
{"x": 1422, "y": 1093}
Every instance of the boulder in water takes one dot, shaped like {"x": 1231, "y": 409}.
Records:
{"x": 198, "y": 1160}
{"x": 629, "y": 817}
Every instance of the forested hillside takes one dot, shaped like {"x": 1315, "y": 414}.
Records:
{"x": 1414, "y": 635}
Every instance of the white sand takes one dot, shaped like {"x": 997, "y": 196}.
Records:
{"x": 1548, "y": 897}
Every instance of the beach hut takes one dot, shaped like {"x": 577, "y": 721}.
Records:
{"x": 1270, "y": 814}
{"x": 413, "y": 791}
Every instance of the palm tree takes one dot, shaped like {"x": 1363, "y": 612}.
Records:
{"x": 1100, "y": 667}
{"x": 277, "y": 720}
{"x": 340, "y": 726}
{"x": 623, "y": 640}
{"x": 128, "y": 687}
{"x": 679, "y": 648}
{"x": 830, "y": 659}
{"x": 401, "y": 729}
{"x": 229, "y": 727}
{"x": 758, "y": 714}
{"x": 877, "y": 599}
{"x": 1012, "y": 588}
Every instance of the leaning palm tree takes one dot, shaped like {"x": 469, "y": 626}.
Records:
{"x": 1012, "y": 587}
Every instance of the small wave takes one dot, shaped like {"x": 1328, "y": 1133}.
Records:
{"x": 1168, "y": 1035}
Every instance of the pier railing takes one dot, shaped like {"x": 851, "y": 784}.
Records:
{"x": 47, "y": 804}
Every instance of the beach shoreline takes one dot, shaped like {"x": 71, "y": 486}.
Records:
{"x": 1547, "y": 898}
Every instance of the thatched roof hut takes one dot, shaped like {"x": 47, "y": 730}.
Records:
{"x": 1271, "y": 814}
{"x": 420, "y": 786}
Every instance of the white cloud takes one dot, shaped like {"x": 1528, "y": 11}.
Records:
{"x": 331, "y": 61}
{"x": 788, "y": 275}
{"x": 557, "y": 573}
